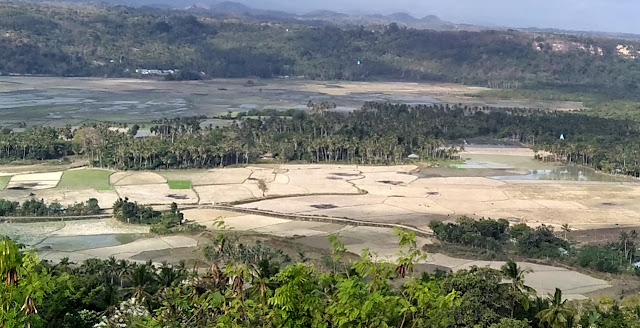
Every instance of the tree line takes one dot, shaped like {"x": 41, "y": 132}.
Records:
{"x": 35, "y": 207}
{"x": 378, "y": 133}
{"x": 497, "y": 239}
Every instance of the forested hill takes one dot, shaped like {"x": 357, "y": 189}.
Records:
{"x": 87, "y": 40}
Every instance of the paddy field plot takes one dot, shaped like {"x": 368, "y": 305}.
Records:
{"x": 179, "y": 184}
{"x": 86, "y": 178}
{"x": 34, "y": 181}
{"x": 156, "y": 194}
{"x": 133, "y": 178}
{"x": 4, "y": 181}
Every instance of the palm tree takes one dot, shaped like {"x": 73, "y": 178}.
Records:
{"x": 557, "y": 315}
{"x": 565, "y": 228}
{"x": 124, "y": 269}
{"x": 111, "y": 268}
{"x": 516, "y": 274}
{"x": 167, "y": 275}
{"x": 110, "y": 296}
{"x": 140, "y": 279}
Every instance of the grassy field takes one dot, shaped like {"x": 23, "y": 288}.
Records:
{"x": 4, "y": 181}
{"x": 86, "y": 178}
{"x": 179, "y": 184}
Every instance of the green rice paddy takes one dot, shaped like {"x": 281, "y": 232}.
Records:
{"x": 86, "y": 178}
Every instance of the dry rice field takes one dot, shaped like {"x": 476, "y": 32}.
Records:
{"x": 396, "y": 194}
{"x": 393, "y": 194}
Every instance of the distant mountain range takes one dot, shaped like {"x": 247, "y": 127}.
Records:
{"x": 239, "y": 10}
{"x": 232, "y": 9}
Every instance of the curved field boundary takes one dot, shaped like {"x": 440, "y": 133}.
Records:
{"x": 317, "y": 218}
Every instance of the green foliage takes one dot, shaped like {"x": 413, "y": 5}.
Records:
{"x": 558, "y": 315}
{"x": 484, "y": 233}
{"x": 170, "y": 222}
{"x": 85, "y": 178}
{"x": 223, "y": 250}
{"x": 296, "y": 303}
{"x": 130, "y": 212}
{"x": 601, "y": 259}
{"x": 379, "y": 133}
{"x": 25, "y": 286}
{"x": 106, "y": 293}
{"x": 179, "y": 184}
{"x": 540, "y": 242}
{"x": 34, "y": 207}
{"x": 511, "y": 323}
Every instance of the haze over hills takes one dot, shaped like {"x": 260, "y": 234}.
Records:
{"x": 563, "y": 15}
{"x": 274, "y": 11}
{"x": 239, "y": 10}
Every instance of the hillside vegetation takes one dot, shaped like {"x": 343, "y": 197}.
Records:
{"x": 85, "y": 40}
{"x": 259, "y": 287}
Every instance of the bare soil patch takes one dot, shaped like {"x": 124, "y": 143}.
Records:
{"x": 34, "y": 181}
{"x": 156, "y": 194}
{"x": 136, "y": 178}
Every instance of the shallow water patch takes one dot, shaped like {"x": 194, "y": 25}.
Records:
{"x": 78, "y": 243}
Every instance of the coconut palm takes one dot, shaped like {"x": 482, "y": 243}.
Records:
{"x": 565, "y": 228}
{"x": 141, "y": 278}
{"x": 167, "y": 275}
{"x": 124, "y": 270}
{"x": 111, "y": 268}
{"x": 516, "y": 274}
{"x": 557, "y": 315}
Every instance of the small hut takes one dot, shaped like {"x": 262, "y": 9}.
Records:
{"x": 267, "y": 156}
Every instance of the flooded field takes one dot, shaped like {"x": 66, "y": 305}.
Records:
{"x": 60, "y": 101}
{"x": 528, "y": 168}
{"x": 83, "y": 242}
{"x": 67, "y": 236}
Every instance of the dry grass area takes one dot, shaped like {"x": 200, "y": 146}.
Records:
{"x": 341, "y": 88}
{"x": 511, "y": 151}
{"x": 377, "y": 193}
{"x": 156, "y": 194}
{"x": 34, "y": 181}
{"x": 135, "y": 178}
{"x": 394, "y": 194}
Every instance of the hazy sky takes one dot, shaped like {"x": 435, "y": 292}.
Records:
{"x": 596, "y": 15}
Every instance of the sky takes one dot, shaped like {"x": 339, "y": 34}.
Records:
{"x": 587, "y": 15}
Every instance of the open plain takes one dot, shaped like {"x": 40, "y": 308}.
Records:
{"x": 492, "y": 182}
{"x": 61, "y": 101}
{"x": 496, "y": 182}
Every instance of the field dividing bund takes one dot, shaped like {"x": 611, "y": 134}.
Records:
{"x": 316, "y": 218}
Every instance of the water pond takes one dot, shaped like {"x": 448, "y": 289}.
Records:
{"x": 82, "y": 242}
{"x": 528, "y": 168}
